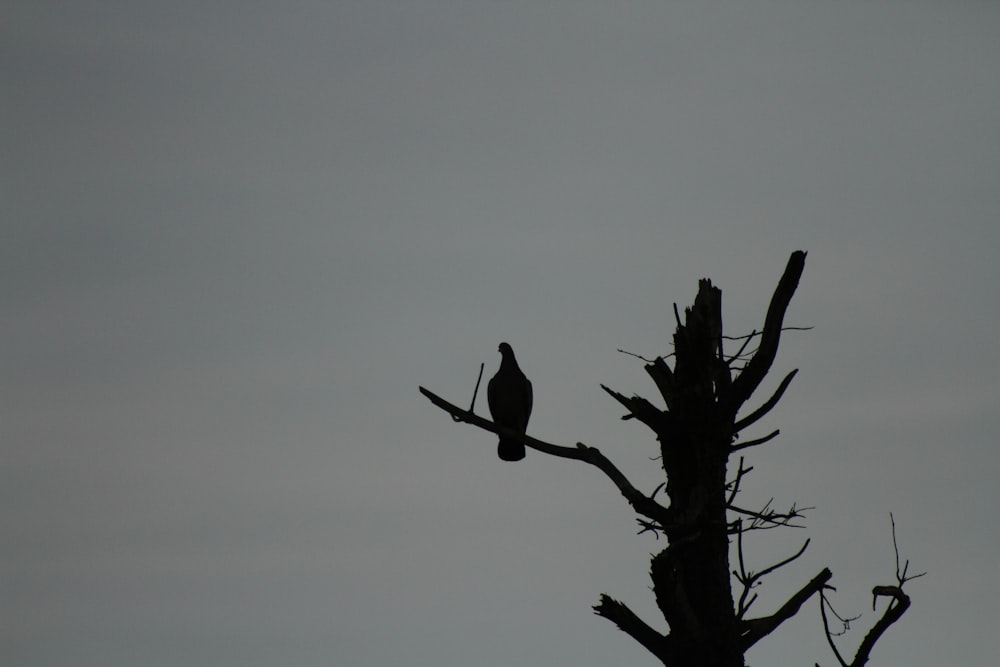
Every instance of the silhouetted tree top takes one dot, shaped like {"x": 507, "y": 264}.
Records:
{"x": 698, "y": 429}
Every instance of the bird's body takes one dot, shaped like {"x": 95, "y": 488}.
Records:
{"x": 509, "y": 395}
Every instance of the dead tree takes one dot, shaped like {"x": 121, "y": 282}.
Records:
{"x": 697, "y": 428}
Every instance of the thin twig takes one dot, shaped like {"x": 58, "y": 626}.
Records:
{"x": 755, "y": 333}
{"x": 734, "y": 486}
{"x": 826, "y": 630}
{"x": 743, "y": 346}
{"x": 901, "y": 577}
{"x": 637, "y": 356}
{"x": 898, "y": 604}
{"x": 472, "y": 406}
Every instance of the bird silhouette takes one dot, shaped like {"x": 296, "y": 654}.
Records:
{"x": 510, "y": 398}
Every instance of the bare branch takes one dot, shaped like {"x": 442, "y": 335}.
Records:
{"x": 743, "y": 347}
{"x": 475, "y": 392}
{"x": 649, "y": 527}
{"x": 897, "y": 607}
{"x": 826, "y": 630}
{"x": 632, "y": 625}
{"x": 641, "y": 409}
{"x": 759, "y": 441}
{"x": 734, "y": 486}
{"x": 637, "y": 356}
{"x": 898, "y": 604}
{"x": 755, "y": 333}
{"x": 846, "y": 622}
{"x": 766, "y": 517}
{"x": 756, "y": 415}
{"x": 664, "y": 379}
{"x": 742, "y": 576}
{"x": 750, "y": 580}
{"x": 757, "y": 368}
{"x": 758, "y": 628}
{"x": 746, "y": 342}
{"x": 640, "y": 502}
{"x": 901, "y": 576}
{"x": 768, "y": 570}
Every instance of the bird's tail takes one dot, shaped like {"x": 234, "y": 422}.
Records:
{"x": 510, "y": 450}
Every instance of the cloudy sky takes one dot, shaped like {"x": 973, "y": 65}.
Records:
{"x": 236, "y": 237}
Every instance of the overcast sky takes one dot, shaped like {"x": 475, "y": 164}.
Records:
{"x": 236, "y": 237}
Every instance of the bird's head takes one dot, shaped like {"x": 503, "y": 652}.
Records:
{"x": 505, "y": 350}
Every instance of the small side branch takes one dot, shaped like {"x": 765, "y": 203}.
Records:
{"x": 756, "y": 415}
{"x": 758, "y": 628}
{"x": 743, "y": 347}
{"x": 759, "y": 441}
{"x": 664, "y": 379}
{"x": 475, "y": 392}
{"x": 642, "y": 503}
{"x": 633, "y": 626}
{"x": 823, "y": 604}
{"x": 641, "y": 409}
{"x": 750, "y": 580}
{"x": 766, "y": 517}
{"x": 734, "y": 486}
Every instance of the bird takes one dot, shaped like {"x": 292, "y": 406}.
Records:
{"x": 510, "y": 398}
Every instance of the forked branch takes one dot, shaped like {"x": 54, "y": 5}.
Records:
{"x": 758, "y": 628}
{"x": 749, "y": 579}
{"x": 899, "y": 602}
{"x": 765, "y": 518}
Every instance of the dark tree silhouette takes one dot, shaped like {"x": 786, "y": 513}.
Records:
{"x": 705, "y": 600}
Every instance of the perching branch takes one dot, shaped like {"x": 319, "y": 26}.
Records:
{"x": 642, "y": 504}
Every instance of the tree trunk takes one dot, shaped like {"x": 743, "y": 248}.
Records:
{"x": 691, "y": 577}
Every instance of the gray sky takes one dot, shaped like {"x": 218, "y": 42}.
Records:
{"x": 237, "y": 236}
